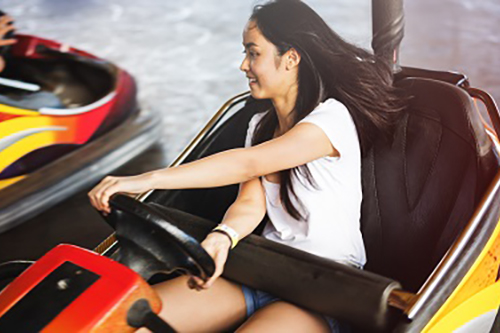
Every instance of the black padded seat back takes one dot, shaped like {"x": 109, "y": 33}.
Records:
{"x": 212, "y": 203}
{"x": 421, "y": 190}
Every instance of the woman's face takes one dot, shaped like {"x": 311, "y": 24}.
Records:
{"x": 267, "y": 74}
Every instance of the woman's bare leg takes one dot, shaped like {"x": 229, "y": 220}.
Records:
{"x": 216, "y": 309}
{"x": 284, "y": 317}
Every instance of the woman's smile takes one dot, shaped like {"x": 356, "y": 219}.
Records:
{"x": 251, "y": 80}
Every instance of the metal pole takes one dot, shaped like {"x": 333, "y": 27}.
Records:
{"x": 388, "y": 30}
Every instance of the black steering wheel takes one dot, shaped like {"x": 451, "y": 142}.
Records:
{"x": 149, "y": 244}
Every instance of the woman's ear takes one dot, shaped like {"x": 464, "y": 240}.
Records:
{"x": 292, "y": 58}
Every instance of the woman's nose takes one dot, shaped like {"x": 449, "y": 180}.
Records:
{"x": 244, "y": 65}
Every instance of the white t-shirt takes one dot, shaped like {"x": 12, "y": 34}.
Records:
{"x": 332, "y": 227}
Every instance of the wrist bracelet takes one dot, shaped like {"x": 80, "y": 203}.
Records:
{"x": 230, "y": 232}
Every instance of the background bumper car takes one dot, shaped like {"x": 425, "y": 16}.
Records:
{"x": 430, "y": 218}
{"x": 67, "y": 118}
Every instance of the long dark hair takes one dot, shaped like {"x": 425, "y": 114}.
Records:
{"x": 329, "y": 68}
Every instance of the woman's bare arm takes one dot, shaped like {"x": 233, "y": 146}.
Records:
{"x": 302, "y": 144}
{"x": 243, "y": 216}
{"x": 248, "y": 209}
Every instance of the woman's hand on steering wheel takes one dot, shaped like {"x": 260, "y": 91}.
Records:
{"x": 217, "y": 246}
{"x": 99, "y": 195}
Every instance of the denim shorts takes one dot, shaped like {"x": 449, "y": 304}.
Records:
{"x": 256, "y": 299}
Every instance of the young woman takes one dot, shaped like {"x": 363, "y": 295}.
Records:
{"x": 301, "y": 163}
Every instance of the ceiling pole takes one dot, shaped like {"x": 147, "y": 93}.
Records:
{"x": 388, "y": 30}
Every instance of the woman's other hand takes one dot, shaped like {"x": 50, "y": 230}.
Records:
{"x": 99, "y": 195}
{"x": 217, "y": 246}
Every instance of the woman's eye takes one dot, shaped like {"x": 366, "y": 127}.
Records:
{"x": 251, "y": 53}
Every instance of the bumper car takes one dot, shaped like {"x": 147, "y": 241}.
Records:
{"x": 430, "y": 222}
{"x": 66, "y": 119}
